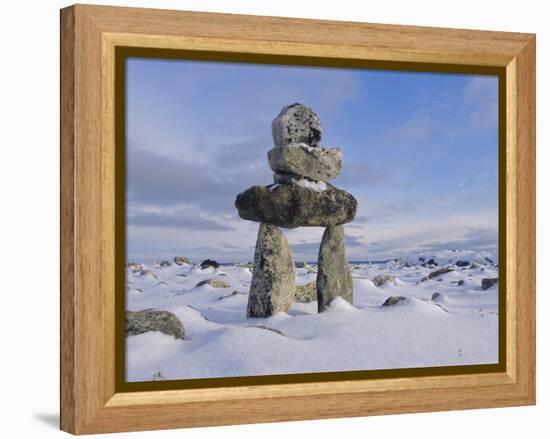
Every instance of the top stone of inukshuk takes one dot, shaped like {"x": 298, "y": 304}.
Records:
{"x": 300, "y": 195}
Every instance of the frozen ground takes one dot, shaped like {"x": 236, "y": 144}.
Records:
{"x": 460, "y": 326}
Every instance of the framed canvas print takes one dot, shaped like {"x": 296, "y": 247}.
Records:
{"x": 268, "y": 219}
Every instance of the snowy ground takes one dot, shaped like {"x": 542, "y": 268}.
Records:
{"x": 459, "y": 327}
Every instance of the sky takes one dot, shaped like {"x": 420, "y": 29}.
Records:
{"x": 420, "y": 155}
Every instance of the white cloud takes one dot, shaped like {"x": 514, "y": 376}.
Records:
{"x": 481, "y": 94}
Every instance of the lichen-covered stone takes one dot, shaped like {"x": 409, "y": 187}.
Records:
{"x": 145, "y": 273}
{"x": 214, "y": 283}
{"x": 438, "y": 272}
{"x": 292, "y": 205}
{"x": 180, "y": 260}
{"x": 273, "y": 277}
{"x": 306, "y": 293}
{"x": 288, "y": 178}
{"x": 138, "y": 322}
{"x": 333, "y": 275}
{"x": 381, "y": 279}
{"x": 394, "y": 300}
{"x": 319, "y": 164}
{"x": 296, "y": 123}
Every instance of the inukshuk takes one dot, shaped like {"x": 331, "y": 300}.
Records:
{"x": 300, "y": 197}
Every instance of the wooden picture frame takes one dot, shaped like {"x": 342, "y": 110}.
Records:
{"x": 91, "y": 400}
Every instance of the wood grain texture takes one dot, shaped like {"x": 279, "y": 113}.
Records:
{"x": 524, "y": 253}
{"x": 512, "y": 213}
{"x": 90, "y": 35}
{"x": 67, "y": 253}
{"x": 332, "y": 38}
{"x": 90, "y": 321}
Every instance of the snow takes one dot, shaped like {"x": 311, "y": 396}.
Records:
{"x": 458, "y": 327}
{"x": 317, "y": 186}
{"x": 303, "y": 145}
{"x": 442, "y": 257}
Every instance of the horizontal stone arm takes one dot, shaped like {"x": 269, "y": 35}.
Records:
{"x": 293, "y": 206}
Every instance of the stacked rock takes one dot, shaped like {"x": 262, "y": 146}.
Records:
{"x": 299, "y": 197}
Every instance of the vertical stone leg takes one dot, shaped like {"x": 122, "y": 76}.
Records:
{"x": 333, "y": 275}
{"x": 273, "y": 277}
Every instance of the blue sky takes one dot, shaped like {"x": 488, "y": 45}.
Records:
{"x": 420, "y": 155}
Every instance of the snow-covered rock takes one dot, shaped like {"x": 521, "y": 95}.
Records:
{"x": 382, "y": 279}
{"x": 180, "y": 260}
{"x": 138, "y": 322}
{"x": 214, "y": 283}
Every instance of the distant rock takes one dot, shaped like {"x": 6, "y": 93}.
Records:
{"x": 333, "y": 275}
{"x": 209, "y": 263}
{"x": 133, "y": 266}
{"x": 146, "y": 273}
{"x": 489, "y": 260}
{"x": 273, "y": 277}
{"x": 438, "y": 272}
{"x": 394, "y": 300}
{"x": 319, "y": 164}
{"x": 296, "y": 123}
{"x": 462, "y": 263}
{"x": 381, "y": 279}
{"x": 164, "y": 263}
{"x": 460, "y": 282}
{"x": 303, "y": 265}
{"x": 180, "y": 260}
{"x": 246, "y": 265}
{"x": 306, "y": 293}
{"x": 138, "y": 322}
{"x": 214, "y": 283}
{"x": 292, "y": 205}
{"x": 436, "y": 296}
{"x": 488, "y": 282}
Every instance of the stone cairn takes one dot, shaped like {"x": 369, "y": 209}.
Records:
{"x": 300, "y": 197}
